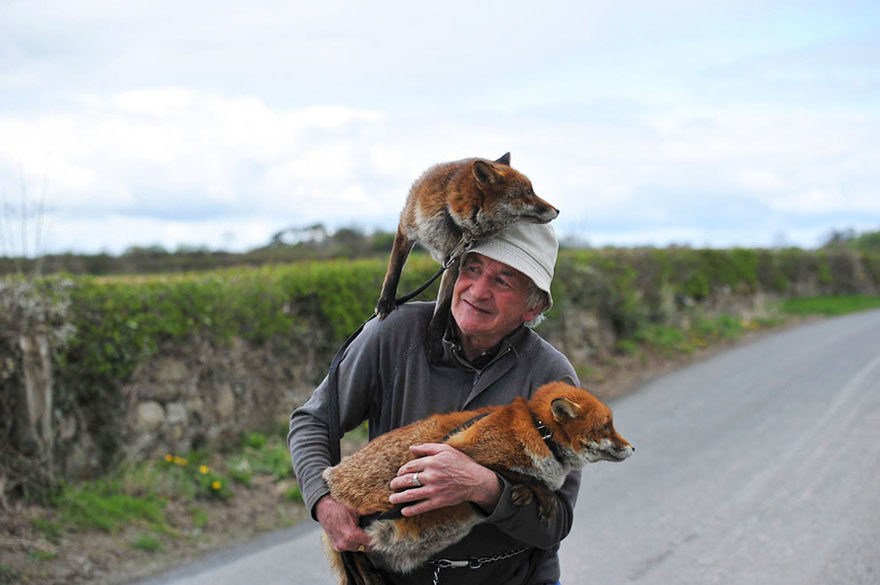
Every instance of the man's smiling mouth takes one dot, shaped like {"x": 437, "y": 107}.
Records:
{"x": 474, "y": 307}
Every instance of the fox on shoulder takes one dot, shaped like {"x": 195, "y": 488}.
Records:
{"x": 534, "y": 444}
{"x": 453, "y": 205}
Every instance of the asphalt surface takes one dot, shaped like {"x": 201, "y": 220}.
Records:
{"x": 758, "y": 466}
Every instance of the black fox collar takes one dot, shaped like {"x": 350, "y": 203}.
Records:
{"x": 463, "y": 426}
{"x": 548, "y": 439}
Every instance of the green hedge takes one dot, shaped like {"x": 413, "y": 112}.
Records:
{"x": 635, "y": 287}
{"x": 122, "y": 321}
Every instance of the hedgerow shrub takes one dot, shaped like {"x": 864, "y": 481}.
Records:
{"x": 632, "y": 288}
{"x": 120, "y": 322}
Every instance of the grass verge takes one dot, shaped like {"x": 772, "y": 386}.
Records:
{"x": 149, "y": 513}
{"x": 830, "y": 306}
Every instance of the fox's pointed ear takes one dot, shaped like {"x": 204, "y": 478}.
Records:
{"x": 505, "y": 159}
{"x": 563, "y": 408}
{"x": 484, "y": 173}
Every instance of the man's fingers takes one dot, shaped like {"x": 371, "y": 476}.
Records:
{"x": 350, "y": 540}
{"x": 409, "y": 480}
{"x": 426, "y": 449}
{"x": 416, "y": 509}
{"x": 424, "y": 457}
{"x": 340, "y": 524}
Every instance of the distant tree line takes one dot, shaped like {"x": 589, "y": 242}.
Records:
{"x": 851, "y": 240}
{"x": 293, "y": 244}
{"x": 290, "y": 245}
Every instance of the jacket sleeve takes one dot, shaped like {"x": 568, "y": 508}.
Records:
{"x": 309, "y": 438}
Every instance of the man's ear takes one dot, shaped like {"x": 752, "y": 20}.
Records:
{"x": 530, "y": 314}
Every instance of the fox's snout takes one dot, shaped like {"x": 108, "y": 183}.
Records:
{"x": 548, "y": 211}
{"x": 538, "y": 210}
{"x": 608, "y": 450}
{"x": 621, "y": 453}
{"x": 617, "y": 447}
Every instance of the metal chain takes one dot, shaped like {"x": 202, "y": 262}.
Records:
{"x": 471, "y": 563}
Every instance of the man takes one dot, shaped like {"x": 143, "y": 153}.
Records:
{"x": 490, "y": 357}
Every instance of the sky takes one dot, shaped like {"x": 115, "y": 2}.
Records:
{"x": 218, "y": 124}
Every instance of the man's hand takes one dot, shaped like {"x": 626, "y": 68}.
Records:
{"x": 448, "y": 477}
{"x": 341, "y": 525}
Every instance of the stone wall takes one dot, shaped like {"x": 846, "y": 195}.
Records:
{"x": 189, "y": 397}
{"x": 196, "y": 396}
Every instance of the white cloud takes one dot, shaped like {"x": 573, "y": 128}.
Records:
{"x": 140, "y": 150}
{"x": 633, "y": 120}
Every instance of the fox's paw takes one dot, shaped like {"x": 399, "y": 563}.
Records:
{"x": 384, "y": 307}
{"x": 546, "y": 511}
{"x": 547, "y": 506}
{"x": 521, "y": 495}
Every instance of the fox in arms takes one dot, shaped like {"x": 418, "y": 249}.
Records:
{"x": 534, "y": 444}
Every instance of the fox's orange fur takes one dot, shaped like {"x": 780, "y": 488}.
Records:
{"x": 455, "y": 204}
{"x": 506, "y": 440}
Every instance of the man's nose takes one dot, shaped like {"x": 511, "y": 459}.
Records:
{"x": 482, "y": 286}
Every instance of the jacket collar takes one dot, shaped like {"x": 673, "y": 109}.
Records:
{"x": 507, "y": 356}
{"x": 454, "y": 352}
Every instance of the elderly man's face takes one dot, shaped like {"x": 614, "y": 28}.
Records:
{"x": 490, "y": 299}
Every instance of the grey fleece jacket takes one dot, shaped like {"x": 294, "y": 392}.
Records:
{"x": 385, "y": 378}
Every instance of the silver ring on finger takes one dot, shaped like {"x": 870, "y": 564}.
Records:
{"x": 415, "y": 480}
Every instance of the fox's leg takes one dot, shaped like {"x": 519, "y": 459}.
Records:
{"x": 447, "y": 284}
{"x": 522, "y": 494}
{"x": 365, "y": 571}
{"x": 525, "y": 489}
{"x": 339, "y": 564}
{"x": 399, "y": 252}
{"x": 437, "y": 326}
{"x": 352, "y": 568}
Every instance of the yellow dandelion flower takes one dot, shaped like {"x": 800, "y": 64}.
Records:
{"x": 203, "y": 469}
{"x": 169, "y": 457}
{"x": 216, "y": 485}
{"x": 180, "y": 461}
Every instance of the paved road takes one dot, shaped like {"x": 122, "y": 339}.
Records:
{"x": 758, "y": 466}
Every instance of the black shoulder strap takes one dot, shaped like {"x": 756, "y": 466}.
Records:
{"x": 335, "y": 433}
